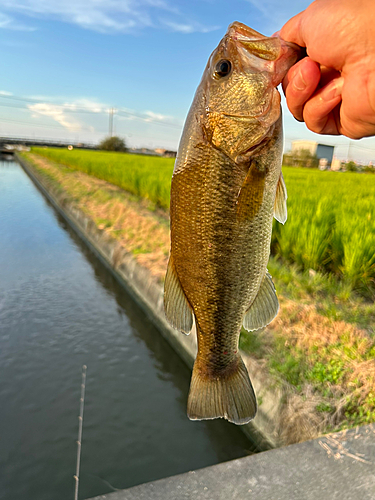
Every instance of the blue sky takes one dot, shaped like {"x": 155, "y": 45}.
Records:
{"x": 65, "y": 63}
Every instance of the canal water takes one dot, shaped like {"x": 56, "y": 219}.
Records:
{"x": 59, "y": 309}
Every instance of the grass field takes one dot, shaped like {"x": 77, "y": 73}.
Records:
{"x": 330, "y": 226}
{"x": 145, "y": 176}
{"x": 331, "y": 216}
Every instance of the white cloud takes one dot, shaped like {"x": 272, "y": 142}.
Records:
{"x": 276, "y": 12}
{"x": 86, "y": 119}
{"x": 86, "y": 105}
{"x": 147, "y": 116}
{"x": 57, "y": 113}
{"x": 189, "y": 28}
{"x": 4, "y": 20}
{"x": 151, "y": 116}
{"x": 266, "y": 6}
{"x": 66, "y": 114}
{"x": 105, "y": 16}
{"x": 7, "y": 22}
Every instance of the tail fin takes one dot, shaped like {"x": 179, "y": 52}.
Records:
{"x": 229, "y": 395}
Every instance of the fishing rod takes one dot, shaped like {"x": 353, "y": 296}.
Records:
{"x": 80, "y": 426}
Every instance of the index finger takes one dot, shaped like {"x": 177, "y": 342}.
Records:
{"x": 299, "y": 85}
{"x": 292, "y": 30}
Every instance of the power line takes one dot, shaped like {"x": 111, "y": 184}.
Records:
{"x": 8, "y": 120}
{"x": 352, "y": 144}
{"x": 44, "y": 101}
{"x": 111, "y": 122}
{"x": 86, "y": 109}
{"x": 30, "y": 123}
{"x": 148, "y": 120}
{"x": 63, "y": 106}
{"x": 43, "y": 126}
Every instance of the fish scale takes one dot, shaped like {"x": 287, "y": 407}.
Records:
{"x": 225, "y": 185}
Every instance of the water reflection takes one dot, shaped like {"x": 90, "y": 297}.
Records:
{"x": 59, "y": 309}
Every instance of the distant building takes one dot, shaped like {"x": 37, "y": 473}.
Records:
{"x": 323, "y": 164}
{"x": 314, "y": 148}
{"x": 166, "y": 153}
{"x": 336, "y": 164}
{"x": 144, "y": 151}
{"x": 154, "y": 152}
{"x": 170, "y": 154}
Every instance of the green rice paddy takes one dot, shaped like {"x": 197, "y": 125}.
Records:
{"x": 145, "y": 176}
{"x": 331, "y": 216}
{"x": 330, "y": 226}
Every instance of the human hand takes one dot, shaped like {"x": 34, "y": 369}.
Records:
{"x": 333, "y": 89}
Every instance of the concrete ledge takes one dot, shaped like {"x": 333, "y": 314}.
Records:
{"x": 264, "y": 430}
{"x": 337, "y": 466}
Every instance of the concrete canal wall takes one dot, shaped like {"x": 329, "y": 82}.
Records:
{"x": 266, "y": 428}
{"x": 336, "y": 466}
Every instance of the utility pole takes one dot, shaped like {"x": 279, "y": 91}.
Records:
{"x": 111, "y": 111}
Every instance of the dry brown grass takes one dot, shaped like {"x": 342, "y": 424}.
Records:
{"x": 314, "y": 334}
{"x": 130, "y": 221}
{"x": 339, "y": 370}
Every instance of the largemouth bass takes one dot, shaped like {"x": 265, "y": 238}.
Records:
{"x": 226, "y": 188}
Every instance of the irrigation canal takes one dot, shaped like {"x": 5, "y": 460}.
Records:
{"x": 59, "y": 309}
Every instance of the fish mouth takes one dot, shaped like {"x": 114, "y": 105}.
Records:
{"x": 273, "y": 54}
{"x": 240, "y": 31}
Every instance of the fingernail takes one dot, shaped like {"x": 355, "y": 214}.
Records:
{"x": 298, "y": 81}
{"x": 333, "y": 89}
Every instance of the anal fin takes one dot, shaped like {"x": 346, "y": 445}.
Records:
{"x": 176, "y": 306}
{"x": 264, "y": 307}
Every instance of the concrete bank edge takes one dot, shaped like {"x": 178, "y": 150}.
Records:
{"x": 148, "y": 293}
{"x": 336, "y": 466}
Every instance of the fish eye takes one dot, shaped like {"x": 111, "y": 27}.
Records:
{"x": 222, "y": 68}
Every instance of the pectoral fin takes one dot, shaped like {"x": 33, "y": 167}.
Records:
{"x": 176, "y": 306}
{"x": 280, "y": 210}
{"x": 264, "y": 308}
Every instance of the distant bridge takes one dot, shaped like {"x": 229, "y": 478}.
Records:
{"x": 52, "y": 143}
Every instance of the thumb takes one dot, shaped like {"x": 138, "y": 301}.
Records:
{"x": 292, "y": 30}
